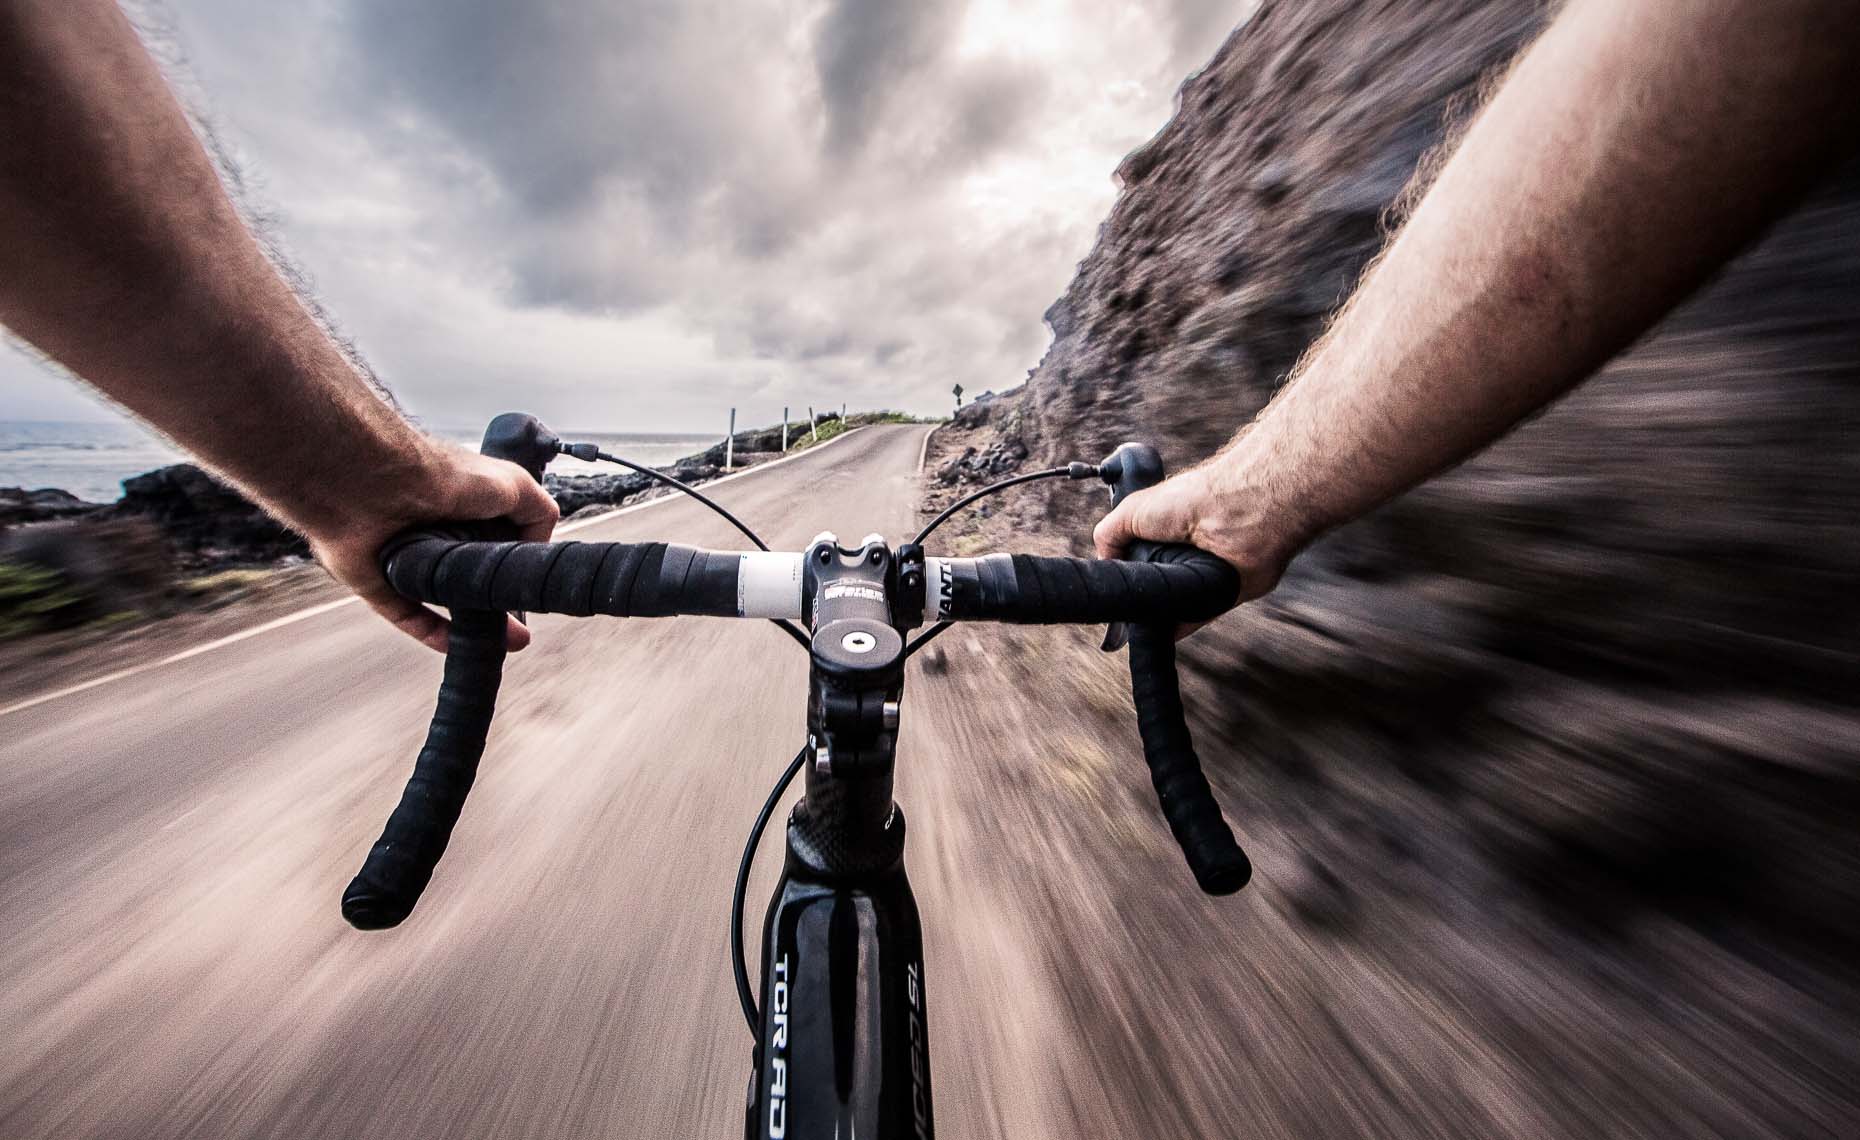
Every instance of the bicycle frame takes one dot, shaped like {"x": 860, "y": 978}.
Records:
{"x": 843, "y": 1048}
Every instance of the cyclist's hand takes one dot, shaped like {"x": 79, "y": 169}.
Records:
{"x": 1193, "y": 508}
{"x": 448, "y": 483}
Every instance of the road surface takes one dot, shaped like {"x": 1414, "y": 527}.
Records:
{"x": 173, "y": 844}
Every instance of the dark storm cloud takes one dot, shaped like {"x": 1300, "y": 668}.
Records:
{"x": 635, "y": 147}
{"x": 592, "y": 118}
{"x": 554, "y": 97}
{"x": 866, "y": 49}
{"x": 990, "y": 103}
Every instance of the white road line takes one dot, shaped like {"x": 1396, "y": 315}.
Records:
{"x": 570, "y": 528}
{"x": 263, "y": 627}
{"x": 327, "y": 607}
{"x": 924, "y": 451}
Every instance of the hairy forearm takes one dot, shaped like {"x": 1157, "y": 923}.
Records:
{"x": 127, "y": 263}
{"x": 1628, "y": 154}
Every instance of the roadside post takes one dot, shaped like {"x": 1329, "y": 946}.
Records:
{"x": 784, "y": 429}
{"x": 729, "y": 444}
{"x": 813, "y": 422}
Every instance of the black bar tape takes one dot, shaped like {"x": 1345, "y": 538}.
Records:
{"x": 613, "y": 590}
{"x": 1188, "y": 803}
{"x": 1183, "y": 584}
{"x": 651, "y": 579}
{"x": 711, "y": 586}
{"x": 521, "y": 571}
{"x": 401, "y": 862}
{"x": 569, "y": 588}
{"x": 1000, "y": 586}
{"x": 668, "y": 584}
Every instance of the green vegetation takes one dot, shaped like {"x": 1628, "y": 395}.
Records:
{"x": 827, "y": 431}
{"x": 34, "y": 599}
{"x": 860, "y": 419}
{"x": 834, "y": 427}
{"x": 222, "y": 582}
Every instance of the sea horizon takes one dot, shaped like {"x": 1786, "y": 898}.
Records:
{"x": 91, "y": 458}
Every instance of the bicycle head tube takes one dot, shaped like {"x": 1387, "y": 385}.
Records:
{"x": 855, "y": 685}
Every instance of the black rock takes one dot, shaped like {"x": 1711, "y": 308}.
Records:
{"x": 573, "y": 493}
{"x": 102, "y": 568}
{"x": 206, "y": 522}
{"x": 999, "y": 459}
{"x": 18, "y": 505}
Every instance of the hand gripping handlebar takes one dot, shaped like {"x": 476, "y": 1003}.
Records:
{"x": 1219, "y": 865}
{"x": 401, "y": 862}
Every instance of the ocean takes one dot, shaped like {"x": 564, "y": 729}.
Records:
{"x": 91, "y": 460}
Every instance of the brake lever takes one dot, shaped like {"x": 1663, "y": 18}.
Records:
{"x": 1132, "y": 467}
{"x": 525, "y": 441}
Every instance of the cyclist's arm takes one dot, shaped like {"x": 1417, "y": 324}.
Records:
{"x": 1630, "y": 152}
{"x": 126, "y": 262}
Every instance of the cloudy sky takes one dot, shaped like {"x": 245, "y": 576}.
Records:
{"x": 624, "y": 214}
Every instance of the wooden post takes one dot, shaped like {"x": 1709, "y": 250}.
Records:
{"x": 784, "y": 429}
{"x": 813, "y": 422}
{"x": 729, "y": 444}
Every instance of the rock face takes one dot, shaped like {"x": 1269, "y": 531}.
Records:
{"x": 991, "y": 430}
{"x": 1588, "y": 703}
{"x": 205, "y": 521}
{"x": 997, "y": 460}
{"x": 977, "y": 411}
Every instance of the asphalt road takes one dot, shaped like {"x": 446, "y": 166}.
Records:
{"x": 173, "y": 845}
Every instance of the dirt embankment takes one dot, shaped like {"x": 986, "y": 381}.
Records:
{"x": 1551, "y": 767}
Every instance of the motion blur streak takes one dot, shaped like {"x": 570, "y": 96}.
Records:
{"x": 1549, "y": 769}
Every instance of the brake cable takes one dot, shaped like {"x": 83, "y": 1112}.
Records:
{"x": 737, "y": 961}
{"x": 1069, "y": 471}
{"x": 923, "y": 638}
{"x": 589, "y": 452}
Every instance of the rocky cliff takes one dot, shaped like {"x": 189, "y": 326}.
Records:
{"x": 1568, "y": 738}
